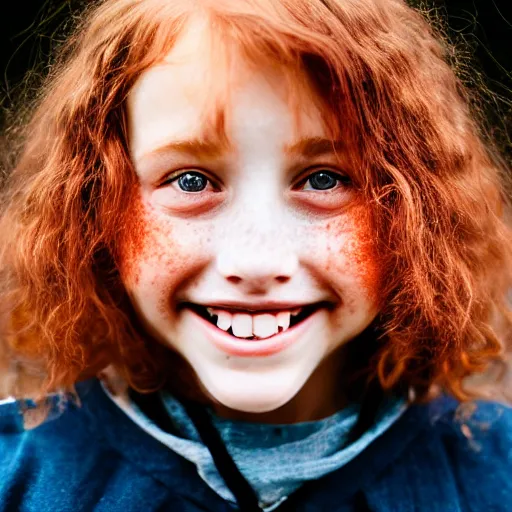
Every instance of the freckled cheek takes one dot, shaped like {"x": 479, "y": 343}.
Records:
{"x": 351, "y": 257}
{"x": 153, "y": 257}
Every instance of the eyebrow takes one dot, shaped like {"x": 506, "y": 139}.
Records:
{"x": 196, "y": 147}
{"x": 311, "y": 147}
{"x": 307, "y": 147}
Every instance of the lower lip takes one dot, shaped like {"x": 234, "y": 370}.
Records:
{"x": 255, "y": 348}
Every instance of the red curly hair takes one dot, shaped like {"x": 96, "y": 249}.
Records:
{"x": 435, "y": 191}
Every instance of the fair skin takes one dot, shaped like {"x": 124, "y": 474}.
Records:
{"x": 255, "y": 232}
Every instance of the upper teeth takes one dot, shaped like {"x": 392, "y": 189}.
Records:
{"x": 246, "y": 325}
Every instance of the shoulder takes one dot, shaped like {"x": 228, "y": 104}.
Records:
{"x": 58, "y": 418}
{"x": 473, "y": 442}
{"x": 41, "y": 434}
{"x": 89, "y": 452}
{"x": 443, "y": 456}
{"x": 478, "y": 432}
{"x": 38, "y": 464}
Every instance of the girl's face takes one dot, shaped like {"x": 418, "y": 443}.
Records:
{"x": 226, "y": 246}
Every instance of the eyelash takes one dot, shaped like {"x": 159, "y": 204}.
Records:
{"x": 341, "y": 178}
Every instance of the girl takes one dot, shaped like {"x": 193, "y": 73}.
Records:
{"x": 254, "y": 256}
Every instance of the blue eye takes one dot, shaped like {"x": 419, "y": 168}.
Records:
{"x": 192, "y": 182}
{"x": 324, "y": 180}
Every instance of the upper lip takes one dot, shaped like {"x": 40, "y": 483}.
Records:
{"x": 257, "y": 306}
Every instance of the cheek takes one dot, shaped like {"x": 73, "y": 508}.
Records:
{"x": 150, "y": 260}
{"x": 352, "y": 254}
{"x": 144, "y": 243}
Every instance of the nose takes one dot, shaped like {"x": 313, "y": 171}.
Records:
{"x": 257, "y": 267}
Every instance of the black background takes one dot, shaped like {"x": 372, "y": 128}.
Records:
{"x": 30, "y": 30}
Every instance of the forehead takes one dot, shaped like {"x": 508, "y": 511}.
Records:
{"x": 204, "y": 90}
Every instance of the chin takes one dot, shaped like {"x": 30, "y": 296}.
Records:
{"x": 256, "y": 403}
{"x": 253, "y": 393}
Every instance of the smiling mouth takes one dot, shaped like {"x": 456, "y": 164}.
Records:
{"x": 251, "y": 325}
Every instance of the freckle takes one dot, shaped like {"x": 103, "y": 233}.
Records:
{"x": 163, "y": 304}
{"x": 360, "y": 250}
{"x": 351, "y": 305}
{"x": 141, "y": 240}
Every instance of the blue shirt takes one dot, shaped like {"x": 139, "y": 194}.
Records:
{"x": 93, "y": 457}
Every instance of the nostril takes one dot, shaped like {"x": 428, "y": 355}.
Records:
{"x": 237, "y": 279}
